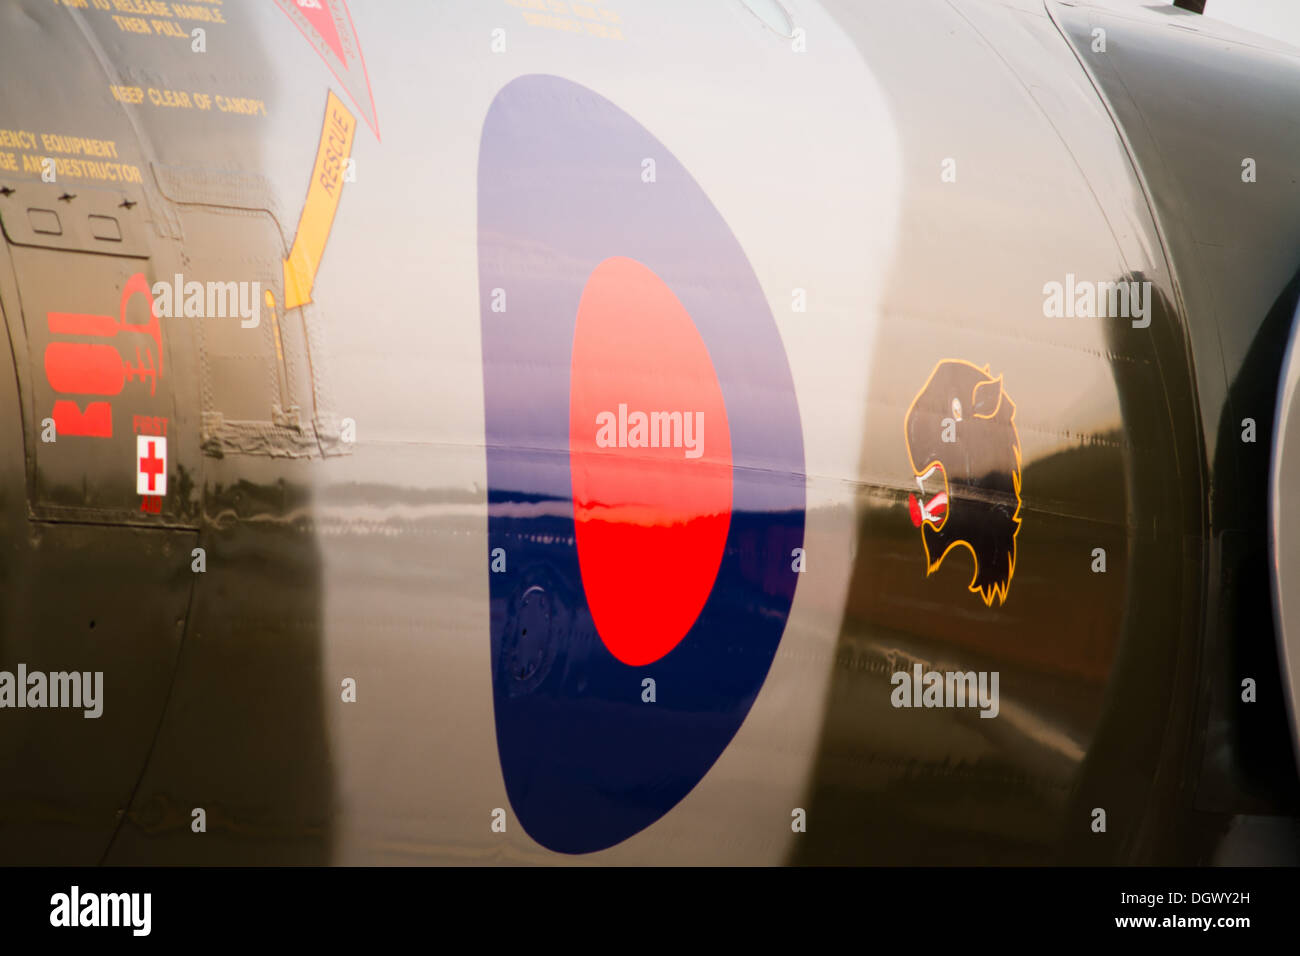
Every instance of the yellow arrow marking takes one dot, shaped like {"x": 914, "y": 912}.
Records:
{"x": 322, "y": 202}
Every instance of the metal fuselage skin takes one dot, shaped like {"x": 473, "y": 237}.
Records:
{"x": 377, "y": 479}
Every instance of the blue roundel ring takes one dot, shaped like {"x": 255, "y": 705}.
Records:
{"x": 586, "y": 761}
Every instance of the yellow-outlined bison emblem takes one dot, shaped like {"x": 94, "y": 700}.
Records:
{"x": 964, "y": 451}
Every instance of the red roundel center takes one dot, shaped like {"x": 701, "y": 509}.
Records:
{"x": 650, "y": 459}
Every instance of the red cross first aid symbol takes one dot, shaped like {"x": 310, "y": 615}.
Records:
{"x": 150, "y": 465}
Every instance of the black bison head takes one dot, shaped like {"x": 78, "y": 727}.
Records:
{"x": 965, "y": 453}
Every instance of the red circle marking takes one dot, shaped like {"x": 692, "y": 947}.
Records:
{"x": 650, "y": 522}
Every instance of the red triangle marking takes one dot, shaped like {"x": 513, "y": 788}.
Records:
{"x": 321, "y": 22}
{"x": 319, "y": 17}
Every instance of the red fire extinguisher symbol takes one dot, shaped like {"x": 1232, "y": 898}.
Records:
{"x": 84, "y": 368}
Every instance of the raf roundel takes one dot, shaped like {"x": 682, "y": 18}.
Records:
{"x": 645, "y": 467}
